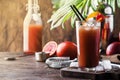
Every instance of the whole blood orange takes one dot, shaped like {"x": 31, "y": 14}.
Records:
{"x": 113, "y": 48}
{"x": 67, "y": 49}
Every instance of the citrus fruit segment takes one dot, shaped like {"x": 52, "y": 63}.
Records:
{"x": 50, "y": 48}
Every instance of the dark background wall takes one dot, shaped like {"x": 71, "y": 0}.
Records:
{"x": 12, "y": 13}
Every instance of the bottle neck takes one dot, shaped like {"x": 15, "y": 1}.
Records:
{"x": 105, "y": 2}
{"x": 33, "y": 6}
{"x": 108, "y": 10}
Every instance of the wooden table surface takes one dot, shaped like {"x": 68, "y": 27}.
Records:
{"x": 26, "y": 68}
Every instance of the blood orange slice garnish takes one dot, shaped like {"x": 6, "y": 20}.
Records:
{"x": 50, "y": 48}
{"x": 92, "y": 15}
{"x": 100, "y": 17}
{"x": 97, "y": 15}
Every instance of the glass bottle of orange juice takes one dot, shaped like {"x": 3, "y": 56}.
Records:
{"x": 32, "y": 29}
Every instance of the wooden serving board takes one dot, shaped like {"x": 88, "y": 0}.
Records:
{"x": 77, "y": 73}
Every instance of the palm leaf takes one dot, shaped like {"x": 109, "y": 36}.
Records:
{"x": 64, "y": 12}
{"x": 61, "y": 14}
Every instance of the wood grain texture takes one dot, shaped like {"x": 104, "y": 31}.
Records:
{"x": 117, "y": 21}
{"x": 12, "y": 13}
{"x": 57, "y": 34}
{"x": 26, "y": 68}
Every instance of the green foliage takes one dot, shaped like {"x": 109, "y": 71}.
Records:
{"x": 118, "y": 3}
{"x": 64, "y": 12}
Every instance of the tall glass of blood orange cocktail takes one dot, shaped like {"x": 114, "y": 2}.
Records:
{"x": 88, "y": 38}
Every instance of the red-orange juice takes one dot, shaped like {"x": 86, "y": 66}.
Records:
{"x": 33, "y": 39}
{"x": 88, "y": 46}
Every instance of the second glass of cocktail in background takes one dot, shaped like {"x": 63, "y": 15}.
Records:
{"x": 88, "y": 39}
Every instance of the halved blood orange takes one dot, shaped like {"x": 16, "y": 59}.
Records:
{"x": 50, "y": 47}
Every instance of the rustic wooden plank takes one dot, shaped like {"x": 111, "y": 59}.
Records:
{"x": 26, "y": 68}
{"x": 93, "y": 75}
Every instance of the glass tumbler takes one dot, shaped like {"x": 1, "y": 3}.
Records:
{"x": 88, "y": 39}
